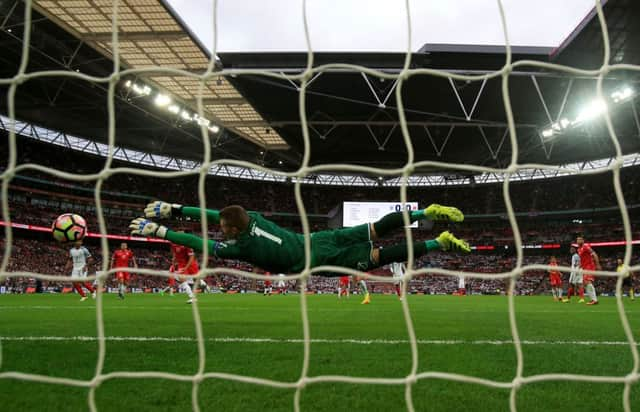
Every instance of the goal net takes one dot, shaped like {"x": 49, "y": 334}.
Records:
{"x": 298, "y": 177}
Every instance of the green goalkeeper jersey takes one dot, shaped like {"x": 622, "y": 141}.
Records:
{"x": 263, "y": 244}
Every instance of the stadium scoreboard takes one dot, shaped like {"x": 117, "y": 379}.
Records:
{"x": 357, "y": 213}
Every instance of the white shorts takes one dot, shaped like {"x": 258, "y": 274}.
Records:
{"x": 79, "y": 272}
{"x": 461, "y": 283}
{"x": 281, "y": 283}
{"x": 575, "y": 277}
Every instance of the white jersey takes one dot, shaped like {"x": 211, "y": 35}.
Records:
{"x": 575, "y": 277}
{"x": 281, "y": 281}
{"x": 79, "y": 257}
{"x": 398, "y": 270}
{"x": 461, "y": 284}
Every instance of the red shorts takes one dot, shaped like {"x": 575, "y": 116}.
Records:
{"x": 190, "y": 270}
{"x": 588, "y": 277}
{"x": 344, "y": 280}
{"x": 555, "y": 280}
{"x": 123, "y": 276}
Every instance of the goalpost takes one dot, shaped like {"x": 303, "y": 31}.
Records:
{"x": 518, "y": 381}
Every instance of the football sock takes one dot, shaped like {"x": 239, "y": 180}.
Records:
{"x": 78, "y": 288}
{"x": 203, "y": 285}
{"x": 187, "y": 288}
{"x": 591, "y": 291}
{"x": 394, "y": 221}
{"x": 339, "y": 293}
{"x": 89, "y": 287}
{"x": 559, "y": 293}
{"x": 632, "y": 294}
{"x": 363, "y": 286}
{"x": 581, "y": 292}
{"x": 122, "y": 288}
{"x": 398, "y": 253}
{"x": 569, "y": 292}
{"x": 398, "y": 290}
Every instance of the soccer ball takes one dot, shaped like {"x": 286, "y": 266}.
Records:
{"x": 69, "y": 227}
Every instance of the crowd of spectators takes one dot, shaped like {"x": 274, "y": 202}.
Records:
{"x": 46, "y": 257}
{"x": 36, "y": 198}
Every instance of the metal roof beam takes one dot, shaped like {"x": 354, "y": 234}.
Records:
{"x": 136, "y": 36}
{"x": 218, "y": 100}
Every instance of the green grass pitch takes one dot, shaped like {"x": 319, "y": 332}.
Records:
{"x": 259, "y": 336}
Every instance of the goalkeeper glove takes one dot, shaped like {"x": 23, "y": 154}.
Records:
{"x": 144, "y": 227}
{"x": 162, "y": 209}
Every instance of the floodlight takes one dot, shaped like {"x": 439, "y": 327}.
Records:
{"x": 202, "y": 121}
{"x": 174, "y": 109}
{"x": 162, "y": 100}
{"x": 622, "y": 94}
{"x": 592, "y": 110}
{"x": 186, "y": 115}
{"x": 214, "y": 128}
{"x": 547, "y": 133}
{"x": 128, "y": 83}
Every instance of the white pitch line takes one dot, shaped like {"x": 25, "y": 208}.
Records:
{"x": 205, "y": 307}
{"x": 328, "y": 341}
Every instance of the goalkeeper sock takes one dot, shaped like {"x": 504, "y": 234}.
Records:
{"x": 632, "y": 294}
{"x": 398, "y": 253}
{"x": 394, "y": 221}
{"x": 591, "y": 291}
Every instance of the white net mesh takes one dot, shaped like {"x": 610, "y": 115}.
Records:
{"x": 304, "y": 380}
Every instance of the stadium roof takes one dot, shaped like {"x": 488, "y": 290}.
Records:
{"x": 353, "y": 117}
{"x": 150, "y": 35}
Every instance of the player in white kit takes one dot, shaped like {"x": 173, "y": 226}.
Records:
{"x": 79, "y": 261}
{"x": 575, "y": 279}
{"x": 462, "y": 287}
{"x": 282, "y": 284}
{"x": 398, "y": 270}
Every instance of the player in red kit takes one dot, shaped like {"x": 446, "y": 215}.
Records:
{"x": 185, "y": 266}
{"x": 268, "y": 289}
{"x": 588, "y": 261}
{"x": 120, "y": 259}
{"x": 555, "y": 278}
{"x": 343, "y": 286}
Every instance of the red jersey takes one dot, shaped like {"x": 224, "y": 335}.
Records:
{"x": 586, "y": 257}
{"x": 181, "y": 254}
{"x": 344, "y": 280}
{"x": 121, "y": 258}
{"x": 554, "y": 276}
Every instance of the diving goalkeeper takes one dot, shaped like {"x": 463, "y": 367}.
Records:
{"x": 252, "y": 238}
